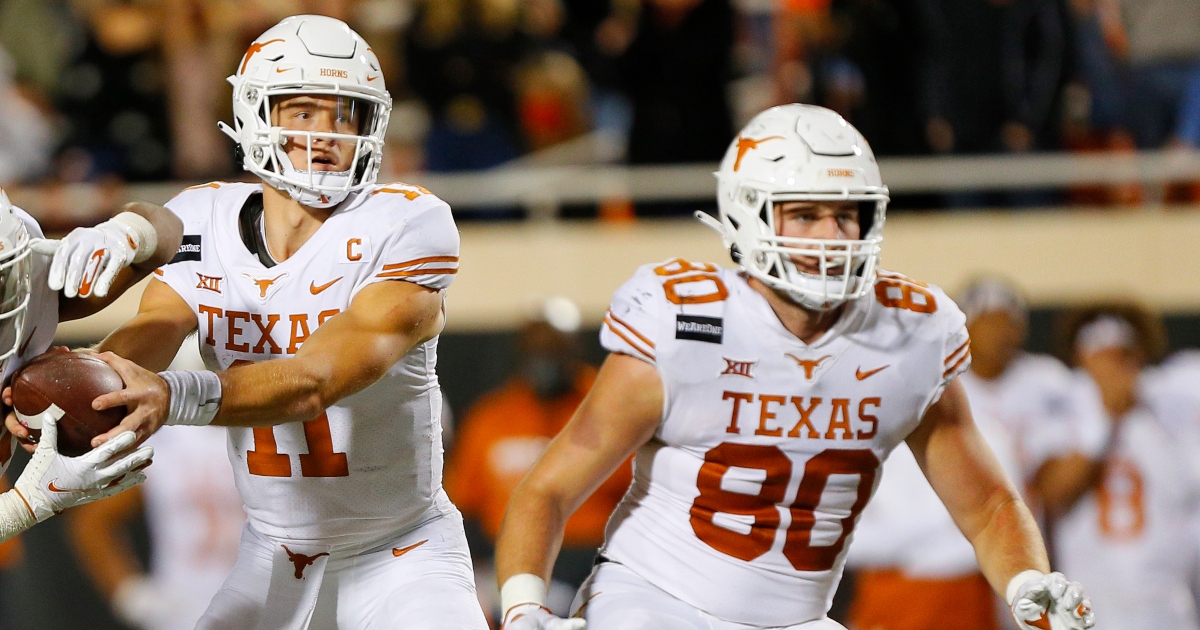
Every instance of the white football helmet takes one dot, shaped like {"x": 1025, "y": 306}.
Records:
{"x": 315, "y": 55}
{"x": 16, "y": 270}
{"x": 800, "y": 153}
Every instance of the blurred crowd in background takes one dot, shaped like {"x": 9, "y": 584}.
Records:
{"x": 130, "y": 90}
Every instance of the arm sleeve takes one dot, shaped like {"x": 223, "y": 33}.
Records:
{"x": 424, "y": 250}
{"x": 631, "y": 323}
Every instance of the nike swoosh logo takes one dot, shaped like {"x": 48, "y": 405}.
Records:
{"x": 862, "y": 376}
{"x": 314, "y": 288}
{"x": 132, "y": 243}
{"x": 53, "y": 488}
{"x": 1041, "y": 622}
{"x": 401, "y": 552}
{"x": 282, "y": 70}
{"x": 372, "y": 78}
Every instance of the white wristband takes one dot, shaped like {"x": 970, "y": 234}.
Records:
{"x": 195, "y": 396}
{"x": 141, "y": 231}
{"x": 15, "y": 515}
{"x": 523, "y": 588}
{"x": 1010, "y": 593}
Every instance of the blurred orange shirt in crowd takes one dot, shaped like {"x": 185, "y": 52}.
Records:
{"x": 501, "y": 437}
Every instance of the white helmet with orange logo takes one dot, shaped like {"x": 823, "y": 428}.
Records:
{"x": 800, "y": 153}
{"x": 16, "y": 270}
{"x": 316, "y": 55}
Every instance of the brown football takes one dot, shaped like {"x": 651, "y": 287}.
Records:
{"x": 71, "y": 381}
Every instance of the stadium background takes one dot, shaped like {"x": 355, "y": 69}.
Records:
{"x": 1048, "y": 141}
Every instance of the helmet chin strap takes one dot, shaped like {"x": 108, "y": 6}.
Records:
{"x": 312, "y": 197}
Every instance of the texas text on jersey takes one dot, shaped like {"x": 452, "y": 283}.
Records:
{"x": 769, "y": 448}
{"x": 371, "y": 464}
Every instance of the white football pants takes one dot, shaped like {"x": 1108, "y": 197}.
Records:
{"x": 615, "y": 598}
{"x": 422, "y": 580}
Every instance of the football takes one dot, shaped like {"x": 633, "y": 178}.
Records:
{"x": 70, "y": 381}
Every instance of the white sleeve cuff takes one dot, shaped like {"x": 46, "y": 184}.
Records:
{"x": 523, "y": 588}
{"x": 1010, "y": 593}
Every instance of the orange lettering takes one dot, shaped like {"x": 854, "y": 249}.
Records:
{"x": 765, "y": 414}
{"x": 352, "y": 255}
{"x": 842, "y": 404}
{"x": 737, "y": 398}
{"x": 299, "y": 331}
{"x": 234, "y": 331}
{"x": 212, "y": 312}
{"x": 868, "y": 418}
{"x": 805, "y": 415}
{"x": 265, "y": 331}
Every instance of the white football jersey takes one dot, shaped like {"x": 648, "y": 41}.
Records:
{"x": 41, "y": 321}
{"x": 195, "y": 519}
{"x": 1131, "y": 541}
{"x": 371, "y": 465}
{"x": 1022, "y": 414}
{"x": 743, "y": 503}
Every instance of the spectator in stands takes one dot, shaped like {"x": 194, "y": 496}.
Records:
{"x": 552, "y": 99}
{"x": 1125, "y": 494}
{"x": 911, "y": 562}
{"x": 506, "y": 431}
{"x": 26, "y": 138}
{"x": 675, "y": 71}
{"x": 1163, "y": 48}
{"x": 460, "y": 59}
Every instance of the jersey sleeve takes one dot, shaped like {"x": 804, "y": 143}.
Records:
{"x": 631, "y": 323}
{"x": 956, "y": 344}
{"x": 193, "y": 206}
{"x": 424, "y": 250}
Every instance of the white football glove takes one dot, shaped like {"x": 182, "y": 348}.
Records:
{"x": 538, "y": 617}
{"x": 87, "y": 260}
{"x": 1049, "y": 602}
{"x": 52, "y": 482}
{"x": 140, "y": 602}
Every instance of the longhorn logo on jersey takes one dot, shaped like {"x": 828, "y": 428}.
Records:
{"x": 302, "y": 561}
{"x": 810, "y": 365}
{"x": 266, "y": 286}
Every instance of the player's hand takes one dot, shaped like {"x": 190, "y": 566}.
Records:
{"x": 146, "y": 396}
{"x": 535, "y": 617}
{"x": 52, "y": 482}
{"x": 18, "y": 430}
{"x": 1050, "y": 602}
{"x": 87, "y": 260}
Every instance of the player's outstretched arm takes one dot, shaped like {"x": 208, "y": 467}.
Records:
{"x": 52, "y": 482}
{"x": 98, "y": 264}
{"x": 621, "y": 413}
{"x": 152, "y": 338}
{"x": 344, "y": 355}
{"x": 986, "y": 506}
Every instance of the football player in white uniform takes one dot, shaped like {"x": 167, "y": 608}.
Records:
{"x": 94, "y": 265}
{"x": 760, "y": 403}
{"x": 317, "y": 297}
{"x": 1129, "y": 492}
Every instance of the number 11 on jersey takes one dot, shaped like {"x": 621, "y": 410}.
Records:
{"x": 265, "y": 460}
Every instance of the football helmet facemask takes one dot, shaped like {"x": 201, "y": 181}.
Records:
{"x": 800, "y": 153}
{"x": 16, "y": 270}
{"x": 315, "y": 56}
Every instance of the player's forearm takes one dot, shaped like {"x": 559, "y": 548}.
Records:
{"x": 148, "y": 341}
{"x": 530, "y": 535}
{"x": 1008, "y": 542}
{"x": 1061, "y": 482}
{"x": 167, "y": 227}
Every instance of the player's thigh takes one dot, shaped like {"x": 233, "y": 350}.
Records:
{"x": 242, "y": 598}
{"x": 423, "y": 582}
{"x": 615, "y": 598}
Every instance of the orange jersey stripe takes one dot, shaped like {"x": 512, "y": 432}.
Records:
{"x": 608, "y": 322}
{"x": 631, "y": 329}
{"x": 415, "y": 272}
{"x": 421, "y": 261}
{"x": 956, "y": 351}
{"x": 956, "y": 365}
